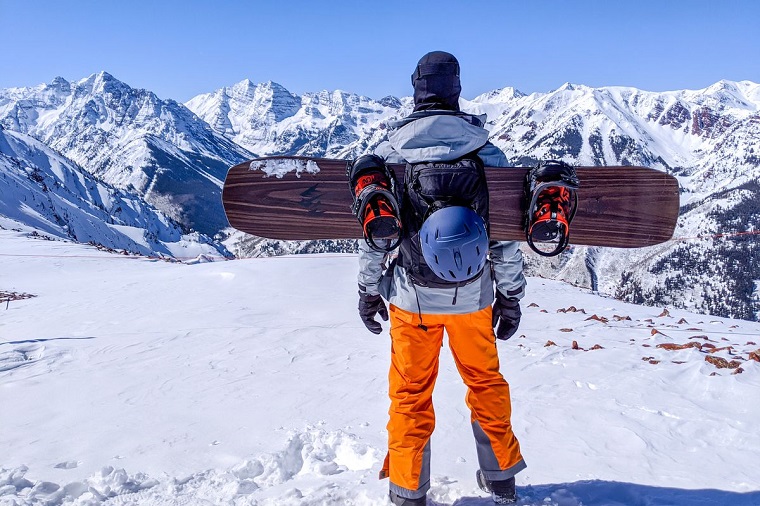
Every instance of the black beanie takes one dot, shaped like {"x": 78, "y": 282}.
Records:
{"x": 436, "y": 82}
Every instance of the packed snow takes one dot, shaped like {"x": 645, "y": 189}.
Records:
{"x": 279, "y": 167}
{"x": 128, "y": 380}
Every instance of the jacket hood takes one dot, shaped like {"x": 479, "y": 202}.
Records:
{"x": 436, "y": 82}
{"x": 437, "y": 137}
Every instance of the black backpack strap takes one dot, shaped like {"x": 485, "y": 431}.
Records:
{"x": 428, "y": 187}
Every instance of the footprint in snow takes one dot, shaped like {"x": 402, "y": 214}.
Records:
{"x": 69, "y": 464}
{"x": 20, "y": 356}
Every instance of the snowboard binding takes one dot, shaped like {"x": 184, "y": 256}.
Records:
{"x": 374, "y": 189}
{"x": 552, "y": 200}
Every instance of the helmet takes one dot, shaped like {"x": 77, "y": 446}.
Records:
{"x": 454, "y": 243}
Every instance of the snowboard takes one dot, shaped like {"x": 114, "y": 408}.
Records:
{"x": 300, "y": 198}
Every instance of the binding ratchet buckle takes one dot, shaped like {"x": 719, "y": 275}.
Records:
{"x": 551, "y": 193}
{"x": 375, "y": 205}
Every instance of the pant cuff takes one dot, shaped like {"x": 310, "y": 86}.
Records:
{"x": 505, "y": 474}
{"x": 410, "y": 494}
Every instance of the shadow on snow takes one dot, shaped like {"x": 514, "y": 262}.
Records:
{"x": 612, "y": 493}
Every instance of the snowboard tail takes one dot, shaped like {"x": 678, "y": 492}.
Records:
{"x": 299, "y": 198}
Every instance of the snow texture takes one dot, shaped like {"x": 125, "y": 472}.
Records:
{"x": 280, "y": 167}
{"x": 41, "y": 189}
{"x": 125, "y": 380}
{"x": 132, "y": 140}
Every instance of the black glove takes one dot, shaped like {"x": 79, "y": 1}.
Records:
{"x": 506, "y": 316}
{"x": 369, "y": 306}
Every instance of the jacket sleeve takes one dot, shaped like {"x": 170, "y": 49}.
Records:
{"x": 371, "y": 262}
{"x": 386, "y": 152}
{"x": 506, "y": 257}
{"x": 370, "y": 267}
{"x": 492, "y": 156}
{"x": 507, "y": 264}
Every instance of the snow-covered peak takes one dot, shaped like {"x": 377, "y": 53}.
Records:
{"x": 729, "y": 94}
{"x": 500, "y": 95}
{"x": 750, "y": 90}
{"x": 100, "y": 84}
{"x": 391, "y": 101}
{"x": 266, "y": 118}
{"x": 43, "y": 190}
{"x": 568, "y": 86}
{"x": 267, "y": 101}
{"x": 60, "y": 84}
{"x": 131, "y": 139}
{"x": 244, "y": 88}
{"x": 274, "y": 101}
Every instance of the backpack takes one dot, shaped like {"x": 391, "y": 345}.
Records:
{"x": 429, "y": 186}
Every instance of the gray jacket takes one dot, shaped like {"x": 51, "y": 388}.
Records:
{"x": 441, "y": 137}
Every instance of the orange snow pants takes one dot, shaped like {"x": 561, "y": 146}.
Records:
{"x": 414, "y": 368}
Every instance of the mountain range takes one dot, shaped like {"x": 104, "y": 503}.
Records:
{"x": 174, "y": 156}
{"x": 53, "y": 197}
{"x": 131, "y": 139}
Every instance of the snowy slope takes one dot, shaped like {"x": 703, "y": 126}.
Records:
{"x": 131, "y": 139}
{"x": 50, "y": 195}
{"x": 126, "y": 381}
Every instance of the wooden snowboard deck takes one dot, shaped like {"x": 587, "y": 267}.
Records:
{"x": 623, "y": 207}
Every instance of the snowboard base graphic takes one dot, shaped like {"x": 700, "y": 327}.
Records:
{"x": 299, "y": 198}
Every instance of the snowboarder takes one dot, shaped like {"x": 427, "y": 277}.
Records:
{"x": 440, "y": 277}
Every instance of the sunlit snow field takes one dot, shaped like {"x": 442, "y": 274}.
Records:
{"x": 132, "y": 381}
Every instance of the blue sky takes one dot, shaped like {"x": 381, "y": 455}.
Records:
{"x": 179, "y": 49}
